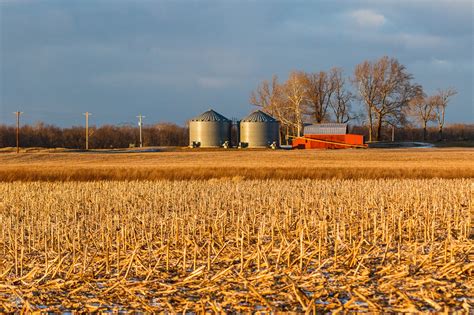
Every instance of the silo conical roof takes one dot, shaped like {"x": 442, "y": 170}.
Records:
{"x": 210, "y": 115}
{"x": 258, "y": 116}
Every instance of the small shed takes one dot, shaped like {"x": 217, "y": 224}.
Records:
{"x": 328, "y": 136}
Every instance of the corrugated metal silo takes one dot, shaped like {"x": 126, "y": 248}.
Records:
{"x": 210, "y": 129}
{"x": 259, "y": 130}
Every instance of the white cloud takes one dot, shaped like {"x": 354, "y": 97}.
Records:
{"x": 368, "y": 18}
{"x": 7, "y": 2}
{"x": 419, "y": 40}
{"x": 461, "y": 3}
{"x": 215, "y": 82}
{"x": 127, "y": 79}
{"x": 440, "y": 62}
{"x": 458, "y": 65}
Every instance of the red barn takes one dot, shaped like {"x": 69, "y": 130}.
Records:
{"x": 327, "y": 136}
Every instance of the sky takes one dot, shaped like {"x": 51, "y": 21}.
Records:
{"x": 171, "y": 60}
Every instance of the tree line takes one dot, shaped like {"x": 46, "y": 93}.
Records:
{"x": 103, "y": 137}
{"x": 451, "y": 133}
{"x": 384, "y": 87}
{"x": 168, "y": 134}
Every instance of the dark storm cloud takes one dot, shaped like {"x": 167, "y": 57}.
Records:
{"x": 174, "y": 59}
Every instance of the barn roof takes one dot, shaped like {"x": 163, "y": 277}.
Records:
{"x": 326, "y": 129}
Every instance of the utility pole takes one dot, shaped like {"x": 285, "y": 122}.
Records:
{"x": 87, "y": 114}
{"x": 393, "y": 133}
{"x": 140, "y": 123}
{"x": 18, "y": 113}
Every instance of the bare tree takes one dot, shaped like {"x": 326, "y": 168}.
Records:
{"x": 422, "y": 108}
{"x": 270, "y": 97}
{"x": 341, "y": 99}
{"x": 287, "y": 117}
{"x": 386, "y": 89}
{"x": 267, "y": 95}
{"x": 364, "y": 79}
{"x": 294, "y": 92}
{"x": 319, "y": 89}
{"x": 441, "y": 100}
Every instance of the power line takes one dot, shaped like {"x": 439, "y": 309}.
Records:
{"x": 87, "y": 114}
{"x": 18, "y": 114}
{"x": 140, "y": 123}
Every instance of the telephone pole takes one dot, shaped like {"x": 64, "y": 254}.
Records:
{"x": 140, "y": 123}
{"x": 18, "y": 113}
{"x": 87, "y": 114}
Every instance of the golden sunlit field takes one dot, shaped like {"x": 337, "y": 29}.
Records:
{"x": 249, "y": 164}
{"x": 381, "y": 234}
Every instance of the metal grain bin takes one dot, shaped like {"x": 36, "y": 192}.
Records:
{"x": 210, "y": 129}
{"x": 259, "y": 130}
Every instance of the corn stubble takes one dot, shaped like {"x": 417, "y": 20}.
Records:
{"x": 237, "y": 245}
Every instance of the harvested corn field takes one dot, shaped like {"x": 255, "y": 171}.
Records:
{"x": 237, "y": 245}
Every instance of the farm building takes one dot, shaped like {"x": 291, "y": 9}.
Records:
{"x": 259, "y": 130}
{"x": 210, "y": 129}
{"x": 327, "y": 136}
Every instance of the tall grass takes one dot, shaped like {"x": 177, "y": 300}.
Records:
{"x": 74, "y": 173}
{"x": 237, "y": 245}
{"x": 260, "y": 164}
